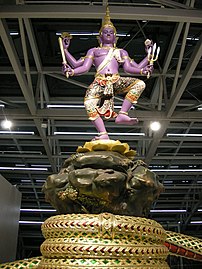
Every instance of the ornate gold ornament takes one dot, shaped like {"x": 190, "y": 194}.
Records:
{"x": 22, "y": 264}
{"x": 102, "y": 241}
{"x": 107, "y": 145}
{"x": 107, "y": 226}
{"x": 107, "y": 241}
{"x": 107, "y": 22}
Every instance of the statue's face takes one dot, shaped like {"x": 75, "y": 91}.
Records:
{"x": 108, "y": 36}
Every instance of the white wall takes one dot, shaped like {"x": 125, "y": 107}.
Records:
{"x": 10, "y": 202}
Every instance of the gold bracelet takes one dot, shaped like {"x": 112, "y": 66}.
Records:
{"x": 141, "y": 71}
{"x": 72, "y": 74}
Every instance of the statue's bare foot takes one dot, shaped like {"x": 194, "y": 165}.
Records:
{"x": 101, "y": 137}
{"x": 126, "y": 120}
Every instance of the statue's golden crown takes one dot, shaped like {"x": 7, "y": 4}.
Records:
{"x": 107, "y": 22}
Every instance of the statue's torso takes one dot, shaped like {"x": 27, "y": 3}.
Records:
{"x": 99, "y": 56}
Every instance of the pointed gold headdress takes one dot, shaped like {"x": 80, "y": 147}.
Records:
{"x": 107, "y": 22}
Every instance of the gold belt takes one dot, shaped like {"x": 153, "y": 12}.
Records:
{"x": 107, "y": 76}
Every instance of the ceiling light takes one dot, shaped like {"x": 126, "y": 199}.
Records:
{"x": 73, "y": 106}
{"x": 188, "y": 135}
{"x": 168, "y": 210}
{"x": 65, "y": 106}
{"x": 37, "y": 210}
{"x": 17, "y": 132}
{"x": 6, "y": 124}
{"x": 24, "y": 168}
{"x": 199, "y": 108}
{"x": 14, "y": 33}
{"x": 155, "y": 126}
{"x": 21, "y": 152}
{"x": 176, "y": 170}
{"x": 91, "y": 34}
{"x": 89, "y": 133}
{"x": 80, "y": 33}
{"x": 2, "y": 105}
{"x": 193, "y": 38}
{"x": 40, "y": 165}
{"x": 122, "y": 34}
{"x": 156, "y": 166}
{"x": 196, "y": 222}
{"x": 30, "y": 222}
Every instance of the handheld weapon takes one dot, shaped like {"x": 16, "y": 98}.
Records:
{"x": 67, "y": 36}
{"x": 152, "y": 55}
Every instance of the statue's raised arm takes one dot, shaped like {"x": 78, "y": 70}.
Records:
{"x": 66, "y": 37}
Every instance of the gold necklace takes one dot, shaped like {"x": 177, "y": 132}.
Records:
{"x": 106, "y": 47}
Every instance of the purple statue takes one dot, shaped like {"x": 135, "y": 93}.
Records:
{"x": 107, "y": 83}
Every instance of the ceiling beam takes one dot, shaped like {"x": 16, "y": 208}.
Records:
{"x": 68, "y": 80}
{"x": 98, "y": 12}
{"x": 193, "y": 61}
{"x": 171, "y": 3}
{"x": 80, "y": 114}
{"x": 15, "y": 62}
{"x": 27, "y": 92}
{"x": 36, "y": 55}
{"x": 195, "y": 57}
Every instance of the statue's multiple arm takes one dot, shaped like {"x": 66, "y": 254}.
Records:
{"x": 144, "y": 62}
{"x": 83, "y": 65}
{"x": 70, "y": 59}
{"x": 76, "y": 67}
{"x": 131, "y": 67}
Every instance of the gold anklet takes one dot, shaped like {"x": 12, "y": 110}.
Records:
{"x": 123, "y": 112}
{"x": 102, "y": 133}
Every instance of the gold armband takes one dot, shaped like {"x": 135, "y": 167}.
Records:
{"x": 88, "y": 56}
{"x": 126, "y": 57}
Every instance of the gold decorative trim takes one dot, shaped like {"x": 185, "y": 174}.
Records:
{"x": 105, "y": 225}
{"x": 22, "y": 264}
{"x": 99, "y": 248}
{"x": 187, "y": 242}
{"x": 109, "y": 145}
{"x": 102, "y": 263}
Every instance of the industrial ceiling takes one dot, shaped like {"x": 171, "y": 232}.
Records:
{"x": 50, "y": 122}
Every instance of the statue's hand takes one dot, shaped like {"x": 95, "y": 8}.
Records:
{"x": 147, "y": 70}
{"x": 67, "y": 70}
{"x": 148, "y": 44}
{"x": 66, "y": 42}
